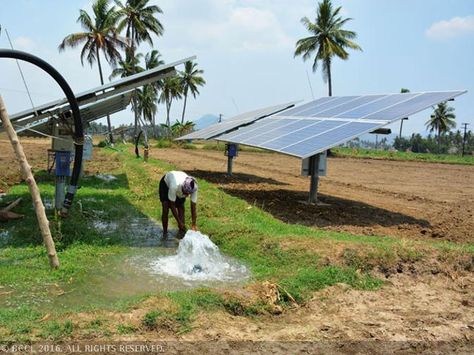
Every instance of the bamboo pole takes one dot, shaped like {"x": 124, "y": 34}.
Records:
{"x": 30, "y": 180}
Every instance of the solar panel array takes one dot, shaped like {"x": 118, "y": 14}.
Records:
{"x": 43, "y": 112}
{"x": 236, "y": 121}
{"x": 89, "y": 113}
{"x": 319, "y": 125}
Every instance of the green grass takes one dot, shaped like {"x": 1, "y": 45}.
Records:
{"x": 240, "y": 230}
{"x": 396, "y": 155}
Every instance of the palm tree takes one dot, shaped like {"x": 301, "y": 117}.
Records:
{"x": 170, "y": 90}
{"x": 442, "y": 120}
{"x": 190, "y": 80}
{"x": 146, "y": 106}
{"x": 152, "y": 60}
{"x": 139, "y": 20}
{"x": 327, "y": 39}
{"x": 146, "y": 100}
{"x": 100, "y": 35}
{"x": 126, "y": 67}
{"x": 178, "y": 129}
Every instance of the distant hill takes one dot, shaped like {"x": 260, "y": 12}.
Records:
{"x": 205, "y": 121}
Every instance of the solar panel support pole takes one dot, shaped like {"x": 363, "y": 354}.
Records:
{"x": 231, "y": 151}
{"x": 314, "y": 173}
{"x": 230, "y": 161}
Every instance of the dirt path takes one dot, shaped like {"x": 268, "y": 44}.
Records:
{"x": 370, "y": 197}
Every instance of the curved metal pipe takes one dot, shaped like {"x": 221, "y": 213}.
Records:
{"x": 78, "y": 127}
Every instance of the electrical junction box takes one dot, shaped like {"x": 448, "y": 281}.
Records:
{"x": 231, "y": 150}
{"x": 62, "y": 138}
{"x": 322, "y": 165}
{"x": 63, "y": 163}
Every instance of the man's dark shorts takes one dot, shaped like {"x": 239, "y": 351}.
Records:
{"x": 164, "y": 194}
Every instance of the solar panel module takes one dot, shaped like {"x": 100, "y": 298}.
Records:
{"x": 235, "y": 122}
{"x": 319, "y": 125}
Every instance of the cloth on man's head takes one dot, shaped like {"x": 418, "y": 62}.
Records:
{"x": 190, "y": 185}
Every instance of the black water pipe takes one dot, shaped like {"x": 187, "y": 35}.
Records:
{"x": 78, "y": 127}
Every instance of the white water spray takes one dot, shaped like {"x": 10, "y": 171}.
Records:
{"x": 198, "y": 258}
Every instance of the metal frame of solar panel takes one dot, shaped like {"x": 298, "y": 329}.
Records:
{"x": 236, "y": 121}
{"x": 112, "y": 89}
{"x": 319, "y": 125}
{"x": 89, "y": 113}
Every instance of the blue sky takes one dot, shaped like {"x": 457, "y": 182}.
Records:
{"x": 246, "y": 49}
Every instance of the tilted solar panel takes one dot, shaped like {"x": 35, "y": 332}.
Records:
{"x": 319, "y": 125}
{"x": 237, "y": 121}
{"x": 89, "y": 113}
{"x": 375, "y": 107}
{"x": 41, "y": 114}
{"x": 107, "y": 90}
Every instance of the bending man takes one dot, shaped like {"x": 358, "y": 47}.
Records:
{"x": 175, "y": 186}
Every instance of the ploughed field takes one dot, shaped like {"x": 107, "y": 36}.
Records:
{"x": 36, "y": 150}
{"x": 364, "y": 196}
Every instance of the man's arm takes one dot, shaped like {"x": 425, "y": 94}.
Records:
{"x": 193, "y": 216}
{"x": 181, "y": 225}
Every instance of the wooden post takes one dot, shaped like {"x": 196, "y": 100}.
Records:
{"x": 30, "y": 180}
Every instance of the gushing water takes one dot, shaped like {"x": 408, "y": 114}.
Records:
{"x": 199, "y": 259}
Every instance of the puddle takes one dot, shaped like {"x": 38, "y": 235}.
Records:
{"x": 105, "y": 227}
{"x": 152, "y": 264}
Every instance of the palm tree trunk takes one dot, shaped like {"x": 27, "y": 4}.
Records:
{"x": 153, "y": 126}
{"x": 168, "y": 108}
{"x": 184, "y": 105}
{"x": 328, "y": 65}
{"x": 439, "y": 138}
{"x": 132, "y": 55}
{"x": 109, "y": 126}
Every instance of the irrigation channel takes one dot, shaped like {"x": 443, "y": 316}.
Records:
{"x": 152, "y": 264}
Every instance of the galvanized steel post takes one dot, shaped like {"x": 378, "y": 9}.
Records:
{"x": 314, "y": 173}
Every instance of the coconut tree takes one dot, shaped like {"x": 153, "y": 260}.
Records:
{"x": 128, "y": 66}
{"x": 139, "y": 20}
{"x": 100, "y": 35}
{"x": 328, "y": 39}
{"x": 152, "y": 60}
{"x": 190, "y": 80}
{"x": 170, "y": 89}
{"x": 147, "y": 98}
{"x": 442, "y": 120}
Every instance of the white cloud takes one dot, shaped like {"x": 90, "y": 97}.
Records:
{"x": 455, "y": 27}
{"x": 24, "y": 43}
{"x": 225, "y": 25}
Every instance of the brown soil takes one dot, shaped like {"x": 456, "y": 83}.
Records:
{"x": 368, "y": 197}
{"x": 36, "y": 151}
{"x": 410, "y": 314}
{"x": 407, "y": 309}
